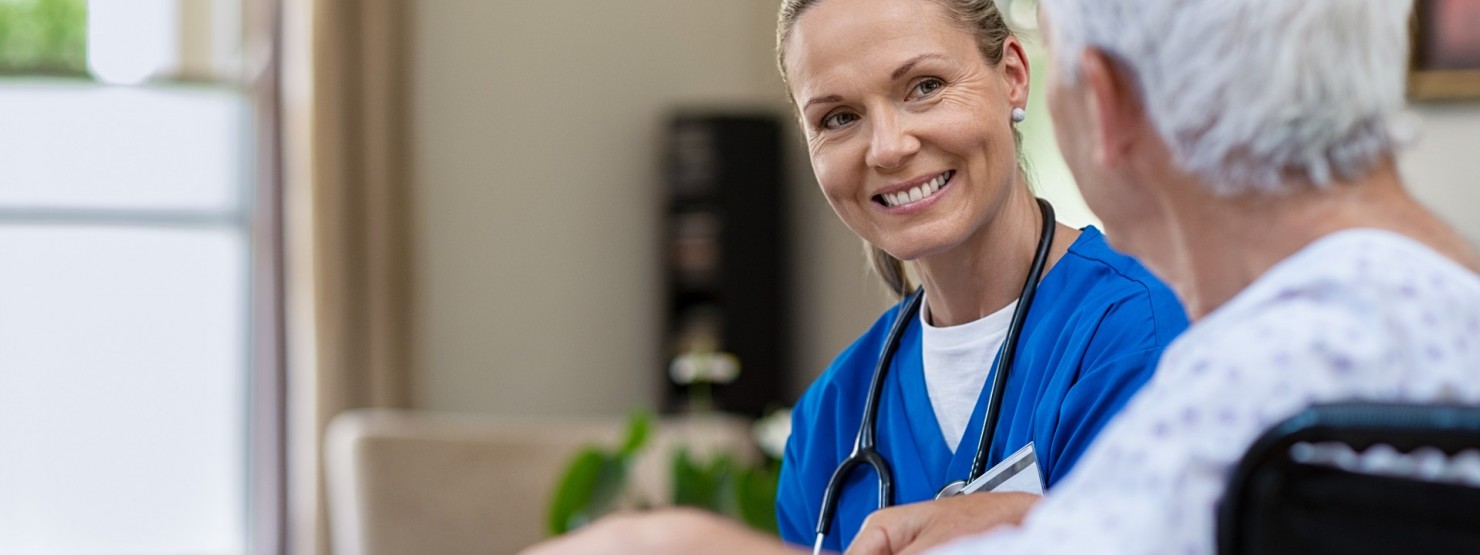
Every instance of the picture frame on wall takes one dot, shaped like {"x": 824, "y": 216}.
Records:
{"x": 1445, "y": 57}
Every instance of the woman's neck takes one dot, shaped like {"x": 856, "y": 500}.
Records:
{"x": 986, "y": 272}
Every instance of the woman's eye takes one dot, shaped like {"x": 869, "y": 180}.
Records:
{"x": 926, "y": 87}
{"x": 838, "y": 119}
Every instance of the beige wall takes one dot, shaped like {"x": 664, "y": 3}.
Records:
{"x": 1443, "y": 167}
{"x": 536, "y": 132}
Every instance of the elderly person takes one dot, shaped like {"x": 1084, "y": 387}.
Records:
{"x": 1243, "y": 149}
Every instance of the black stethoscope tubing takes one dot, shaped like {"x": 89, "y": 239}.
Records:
{"x": 864, "y": 451}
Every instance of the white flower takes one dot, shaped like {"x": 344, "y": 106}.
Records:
{"x": 708, "y": 366}
{"x": 771, "y": 432}
{"x": 723, "y": 367}
{"x": 683, "y": 369}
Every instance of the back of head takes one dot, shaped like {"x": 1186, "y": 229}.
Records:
{"x": 1254, "y": 95}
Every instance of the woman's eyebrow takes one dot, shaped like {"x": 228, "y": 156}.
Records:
{"x": 822, "y": 100}
{"x": 910, "y": 63}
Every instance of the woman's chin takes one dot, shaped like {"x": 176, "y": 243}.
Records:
{"x": 912, "y": 251}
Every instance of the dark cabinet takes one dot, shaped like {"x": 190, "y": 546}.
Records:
{"x": 725, "y": 264}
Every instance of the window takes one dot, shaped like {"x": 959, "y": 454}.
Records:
{"x": 125, "y": 267}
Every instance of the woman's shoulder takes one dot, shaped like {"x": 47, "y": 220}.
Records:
{"x": 1092, "y": 257}
{"x": 1093, "y": 284}
{"x": 854, "y": 366}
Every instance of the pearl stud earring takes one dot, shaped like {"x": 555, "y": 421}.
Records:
{"x": 1019, "y": 114}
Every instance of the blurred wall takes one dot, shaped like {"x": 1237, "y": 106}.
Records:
{"x": 536, "y": 148}
{"x": 1443, "y": 167}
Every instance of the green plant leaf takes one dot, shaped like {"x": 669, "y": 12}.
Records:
{"x": 755, "y": 490}
{"x": 703, "y": 485}
{"x": 573, "y": 491}
{"x": 595, "y": 479}
{"x": 639, "y": 426}
{"x": 691, "y": 488}
{"x": 608, "y": 488}
{"x": 591, "y": 487}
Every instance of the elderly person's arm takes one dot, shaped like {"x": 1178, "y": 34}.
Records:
{"x": 904, "y": 529}
{"x": 914, "y": 528}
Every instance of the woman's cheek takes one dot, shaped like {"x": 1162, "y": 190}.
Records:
{"x": 828, "y": 178}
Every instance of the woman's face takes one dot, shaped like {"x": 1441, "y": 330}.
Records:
{"x": 908, "y": 126}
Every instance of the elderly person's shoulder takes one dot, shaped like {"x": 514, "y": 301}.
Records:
{"x": 1357, "y": 314}
{"x": 1356, "y": 287}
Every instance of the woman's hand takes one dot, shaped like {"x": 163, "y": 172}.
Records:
{"x": 664, "y": 532}
{"x": 913, "y": 528}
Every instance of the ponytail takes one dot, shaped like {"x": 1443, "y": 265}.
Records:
{"x": 889, "y": 268}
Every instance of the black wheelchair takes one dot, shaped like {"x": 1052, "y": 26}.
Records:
{"x": 1355, "y": 478}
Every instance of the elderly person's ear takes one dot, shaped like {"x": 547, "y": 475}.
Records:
{"x": 1117, "y": 116}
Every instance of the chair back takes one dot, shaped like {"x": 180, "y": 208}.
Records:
{"x": 1358, "y": 478}
{"x": 412, "y": 482}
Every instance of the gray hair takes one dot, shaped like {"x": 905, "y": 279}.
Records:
{"x": 1251, "y": 95}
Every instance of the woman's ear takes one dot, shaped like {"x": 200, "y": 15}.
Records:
{"x": 1115, "y": 110}
{"x": 1015, "y": 71}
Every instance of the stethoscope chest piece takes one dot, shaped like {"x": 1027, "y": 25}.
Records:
{"x": 951, "y": 489}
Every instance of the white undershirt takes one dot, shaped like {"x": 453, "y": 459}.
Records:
{"x": 957, "y": 360}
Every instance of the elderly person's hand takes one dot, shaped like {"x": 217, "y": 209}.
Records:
{"x": 916, "y": 527}
{"x": 664, "y": 532}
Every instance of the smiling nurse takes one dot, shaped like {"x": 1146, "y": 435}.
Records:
{"x": 908, "y": 107}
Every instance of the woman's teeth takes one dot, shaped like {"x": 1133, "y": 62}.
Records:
{"x": 918, "y": 193}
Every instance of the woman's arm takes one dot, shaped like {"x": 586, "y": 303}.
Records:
{"x": 795, "y": 518}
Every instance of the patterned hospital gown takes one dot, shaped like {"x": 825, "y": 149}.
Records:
{"x": 1358, "y": 314}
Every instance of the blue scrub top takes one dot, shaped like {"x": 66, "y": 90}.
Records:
{"x": 1092, "y": 338}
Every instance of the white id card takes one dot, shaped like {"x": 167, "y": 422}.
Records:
{"x": 1018, "y": 472}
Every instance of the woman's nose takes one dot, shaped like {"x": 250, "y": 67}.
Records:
{"x": 891, "y": 144}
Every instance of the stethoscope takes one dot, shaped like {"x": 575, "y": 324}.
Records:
{"x": 863, "y": 445}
